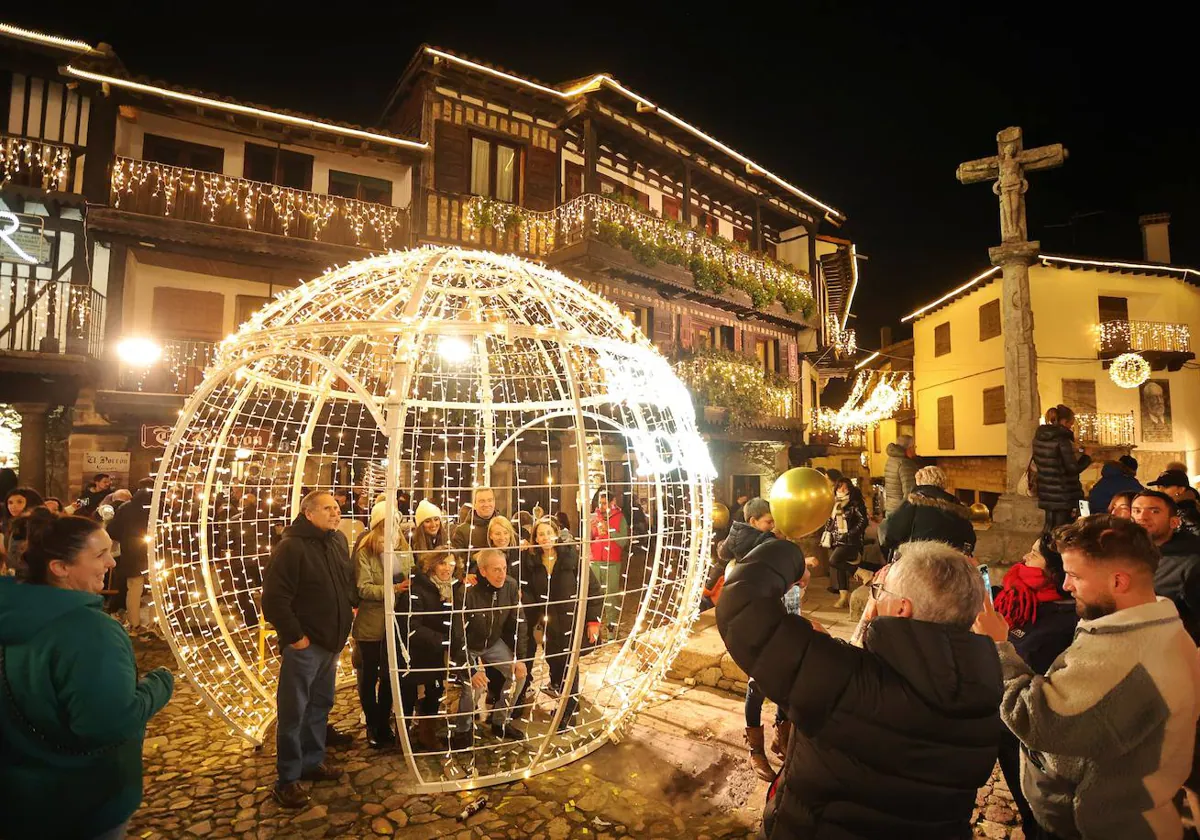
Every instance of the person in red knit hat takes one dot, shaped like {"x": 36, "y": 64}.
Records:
{"x": 1041, "y": 617}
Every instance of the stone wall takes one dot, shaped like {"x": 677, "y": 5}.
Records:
{"x": 983, "y": 473}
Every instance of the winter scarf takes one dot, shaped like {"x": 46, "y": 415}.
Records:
{"x": 1024, "y": 588}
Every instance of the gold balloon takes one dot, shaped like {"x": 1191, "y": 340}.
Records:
{"x": 980, "y": 512}
{"x": 720, "y": 517}
{"x": 801, "y": 501}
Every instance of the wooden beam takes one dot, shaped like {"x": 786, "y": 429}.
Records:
{"x": 686, "y": 203}
{"x": 591, "y": 151}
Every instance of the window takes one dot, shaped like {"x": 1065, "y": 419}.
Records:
{"x": 993, "y": 405}
{"x": 967, "y": 497}
{"x": 494, "y": 169}
{"x": 671, "y": 208}
{"x": 1113, "y": 308}
{"x": 1080, "y": 395}
{"x": 941, "y": 339}
{"x": 362, "y": 187}
{"x": 726, "y": 336}
{"x": 574, "y": 186}
{"x": 878, "y": 441}
{"x": 945, "y": 420}
{"x": 187, "y": 314}
{"x": 273, "y": 165}
{"x": 641, "y": 317}
{"x": 703, "y": 338}
{"x": 989, "y": 320}
{"x": 767, "y": 351}
{"x": 247, "y": 305}
{"x": 741, "y": 235}
{"x": 174, "y": 152}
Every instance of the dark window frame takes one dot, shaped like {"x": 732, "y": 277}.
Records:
{"x": 941, "y": 331}
{"x": 945, "y": 431}
{"x": 280, "y": 156}
{"x": 494, "y": 142}
{"x": 189, "y": 153}
{"x": 993, "y": 421}
{"x": 358, "y": 181}
{"x": 990, "y": 326}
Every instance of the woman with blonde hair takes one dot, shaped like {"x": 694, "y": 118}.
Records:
{"x": 374, "y": 685}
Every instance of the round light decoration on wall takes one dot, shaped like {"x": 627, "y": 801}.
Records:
{"x": 1129, "y": 370}
{"x": 437, "y": 371}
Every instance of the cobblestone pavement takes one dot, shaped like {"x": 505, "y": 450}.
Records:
{"x": 680, "y": 773}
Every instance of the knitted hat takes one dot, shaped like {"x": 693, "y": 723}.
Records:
{"x": 425, "y": 510}
{"x": 378, "y": 513}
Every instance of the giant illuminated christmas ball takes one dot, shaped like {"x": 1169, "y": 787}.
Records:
{"x": 438, "y": 372}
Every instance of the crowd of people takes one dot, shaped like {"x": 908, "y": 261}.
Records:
{"x": 1078, "y": 674}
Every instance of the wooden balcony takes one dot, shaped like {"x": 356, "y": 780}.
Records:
{"x": 1105, "y": 429}
{"x": 36, "y": 164}
{"x": 50, "y": 317}
{"x": 599, "y": 234}
{"x": 1163, "y": 345}
{"x": 157, "y": 190}
{"x": 179, "y": 370}
{"x": 732, "y": 393}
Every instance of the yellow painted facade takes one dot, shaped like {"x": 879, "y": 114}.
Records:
{"x": 1066, "y": 315}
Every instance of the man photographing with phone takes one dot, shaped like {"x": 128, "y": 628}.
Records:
{"x": 891, "y": 740}
{"x": 1108, "y": 732}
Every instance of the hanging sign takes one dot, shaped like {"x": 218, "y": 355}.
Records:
{"x": 23, "y": 239}
{"x": 105, "y": 462}
{"x": 155, "y": 437}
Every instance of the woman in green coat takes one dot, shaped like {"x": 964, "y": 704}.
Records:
{"x": 73, "y": 712}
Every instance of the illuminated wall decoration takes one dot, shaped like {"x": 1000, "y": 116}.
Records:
{"x": 436, "y": 371}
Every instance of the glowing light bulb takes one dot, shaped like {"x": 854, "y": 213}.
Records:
{"x": 139, "y": 352}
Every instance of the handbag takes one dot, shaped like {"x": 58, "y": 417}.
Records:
{"x": 826, "y": 539}
{"x": 1031, "y": 480}
{"x": 36, "y": 733}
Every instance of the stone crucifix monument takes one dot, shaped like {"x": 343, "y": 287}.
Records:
{"x": 1014, "y": 255}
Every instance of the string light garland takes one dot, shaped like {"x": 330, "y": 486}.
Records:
{"x": 51, "y": 162}
{"x": 1105, "y": 429}
{"x": 354, "y": 379}
{"x": 715, "y": 263}
{"x": 892, "y": 391}
{"x": 1129, "y": 370}
{"x": 843, "y": 341}
{"x": 1145, "y": 335}
{"x": 134, "y": 180}
{"x": 738, "y": 384}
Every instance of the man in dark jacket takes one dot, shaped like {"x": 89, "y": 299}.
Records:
{"x": 496, "y": 635}
{"x": 128, "y": 528}
{"x": 742, "y": 539}
{"x": 930, "y": 513}
{"x": 899, "y": 473}
{"x": 892, "y": 740}
{"x": 309, "y": 597}
{"x": 1114, "y": 478}
{"x": 1175, "y": 484}
{"x": 1178, "y": 574}
{"x": 89, "y": 500}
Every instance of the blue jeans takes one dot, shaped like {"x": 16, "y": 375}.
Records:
{"x": 500, "y": 657}
{"x": 304, "y": 698}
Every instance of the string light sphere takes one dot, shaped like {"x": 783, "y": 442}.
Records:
{"x": 439, "y": 371}
{"x": 1129, "y": 370}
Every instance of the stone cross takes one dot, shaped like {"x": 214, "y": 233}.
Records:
{"x": 1022, "y": 405}
{"x": 1007, "y": 168}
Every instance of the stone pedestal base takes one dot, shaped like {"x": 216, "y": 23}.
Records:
{"x": 1019, "y": 512}
{"x": 1016, "y": 522}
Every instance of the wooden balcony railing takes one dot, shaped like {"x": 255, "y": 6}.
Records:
{"x": 1138, "y": 336}
{"x": 179, "y": 370}
{"x": 36, "y": 163}
{"x": 739, "y": 387}
{"x": 46, "y": 316}
{"x": 715, "y": 263}
{"x": 156, "y": 189}
{"x": 1105, "y": 429}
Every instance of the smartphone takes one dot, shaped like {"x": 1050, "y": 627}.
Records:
{"x": 1084, "y": 508}
{"x": 987, "y": 580}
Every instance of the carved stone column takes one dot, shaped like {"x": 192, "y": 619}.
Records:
{"x": 33, "y": 444}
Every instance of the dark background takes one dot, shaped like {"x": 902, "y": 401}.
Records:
{"x": 871, "y": 110}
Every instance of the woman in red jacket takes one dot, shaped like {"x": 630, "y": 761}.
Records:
{"x": 610, "y": 535}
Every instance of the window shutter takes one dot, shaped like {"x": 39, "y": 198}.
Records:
{"x": 989, "y": 320}
{"x": 450, "y": 170}
{"x": 661, "y": 327}
{"x": 541, "y": 178}
{"x": 188, "y": 314}
{"x": 945, "y": 410}
{"x": 993, "y": 406}
{"x": 1079, "y": 395}
{"x": 941, "y": 339}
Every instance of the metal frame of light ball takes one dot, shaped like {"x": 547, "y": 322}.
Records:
{"x": 389, "y": 416}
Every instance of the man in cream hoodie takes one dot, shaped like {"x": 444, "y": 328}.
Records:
{"x": 1108, "y": 732}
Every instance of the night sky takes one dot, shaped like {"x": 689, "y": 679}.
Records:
{"x": 871, "y": 111}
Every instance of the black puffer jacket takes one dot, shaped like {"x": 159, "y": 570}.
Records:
{"x": 309, "y": 587}
{"x": 1178, "y": 578}
{"x": 930, "y": 513}
{"x": 893, "y": 740}
{"x": 1058, "y": 468}
{"x": 428, "y": 620}
{"x": 556, "y": 597}
{"x": 741, "y": 541}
